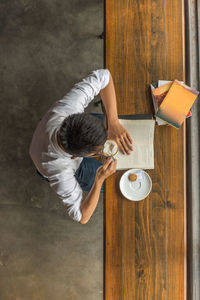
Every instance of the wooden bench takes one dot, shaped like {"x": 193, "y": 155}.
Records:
{"x": 145, "y": 242}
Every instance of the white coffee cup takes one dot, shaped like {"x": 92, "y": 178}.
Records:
{"x": 110, "y": 148}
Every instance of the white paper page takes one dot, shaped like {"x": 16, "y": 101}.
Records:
{"x": 163, "y": 82}
{"x": 142, "y": 132}
{"x": 154, "y": 103}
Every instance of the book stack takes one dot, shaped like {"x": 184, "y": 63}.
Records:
{"x": 172, "y": 102}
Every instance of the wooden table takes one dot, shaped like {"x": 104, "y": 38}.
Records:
{"x": 145, "y": 243}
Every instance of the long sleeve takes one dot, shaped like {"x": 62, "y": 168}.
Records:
{"x": 63, "y": 182}
{"x": 78, "y": 98}
{"x": 82, "y": 93}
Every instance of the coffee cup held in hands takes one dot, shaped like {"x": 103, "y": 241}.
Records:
{"x": 110, "y": 148}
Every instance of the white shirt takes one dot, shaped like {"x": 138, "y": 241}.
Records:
{"x": 50, "y": 160}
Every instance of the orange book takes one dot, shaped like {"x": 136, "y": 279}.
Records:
{"x": 175, "y": 106}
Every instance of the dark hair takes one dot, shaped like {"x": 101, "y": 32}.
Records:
{"x": 81, "y": 134}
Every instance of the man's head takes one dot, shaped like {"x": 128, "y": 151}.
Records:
{"x": 82, "y": 134}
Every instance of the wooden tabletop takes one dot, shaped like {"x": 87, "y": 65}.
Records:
{"x": 145, "y": 247}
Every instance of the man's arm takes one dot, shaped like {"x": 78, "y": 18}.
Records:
{"x": 108, "y": 97}
{"x": 115, "y": 129}
{"x": 90, "y": 202}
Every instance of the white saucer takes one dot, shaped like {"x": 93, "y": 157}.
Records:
{"x": 135, "y": 191}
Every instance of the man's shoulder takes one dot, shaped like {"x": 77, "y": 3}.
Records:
{"x": 55, "y": 163}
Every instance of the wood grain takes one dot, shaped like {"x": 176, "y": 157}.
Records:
{"x": 145, "y": 241}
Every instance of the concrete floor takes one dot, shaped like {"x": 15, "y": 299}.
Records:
{"x": 46, "y": 47}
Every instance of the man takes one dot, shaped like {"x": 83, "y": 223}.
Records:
{"x": 66, "y": 139}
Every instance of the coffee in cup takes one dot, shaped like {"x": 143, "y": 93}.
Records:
{"x": 110, "y": 148}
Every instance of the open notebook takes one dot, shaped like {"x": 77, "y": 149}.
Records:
{"x": 142, "y": 132}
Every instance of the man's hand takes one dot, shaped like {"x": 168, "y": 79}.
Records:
{"x": 118, "y": 133}
{"x": 107, "y": 169}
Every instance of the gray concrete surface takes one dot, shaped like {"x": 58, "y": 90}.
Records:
{"x": 45, "y": 47}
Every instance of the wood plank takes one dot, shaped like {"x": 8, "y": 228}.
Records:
{"x": 175, "y": 163}
{"x": 113, "y": 240}
{"x": 144, "y": 254}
